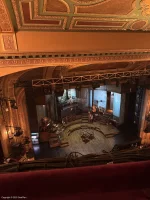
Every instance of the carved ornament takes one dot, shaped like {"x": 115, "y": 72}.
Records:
{"x": 5, "y": 21}
{"x": 9, "y": 42}
{"x": 76, "y": 60}
{"x": 86, "y": 2}
{"x": 145, "y": 7}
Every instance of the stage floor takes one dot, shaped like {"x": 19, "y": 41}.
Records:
{"x": 104, "y": 140}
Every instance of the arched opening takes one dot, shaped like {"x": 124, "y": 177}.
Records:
{"x": 84, "y": 114}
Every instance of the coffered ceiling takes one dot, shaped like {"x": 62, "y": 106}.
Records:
{"x": 80, "y": 15}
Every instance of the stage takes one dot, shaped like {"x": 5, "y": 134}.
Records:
{"x": 105, "y": 137}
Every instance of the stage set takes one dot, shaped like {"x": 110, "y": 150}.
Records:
{"x": 87, "y": 114}
{"x": 75, "y": 99}
{"x": 84, "y": 119}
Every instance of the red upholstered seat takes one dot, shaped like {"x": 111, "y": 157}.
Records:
{"x": 114, "y": 181}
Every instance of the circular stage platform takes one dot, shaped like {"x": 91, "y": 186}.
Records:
{"x": 103, "y": 140}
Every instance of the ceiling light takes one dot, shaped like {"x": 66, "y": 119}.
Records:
{"x": 95, "y": 85}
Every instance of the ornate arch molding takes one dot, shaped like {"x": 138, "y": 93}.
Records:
{"x": 7, "y": 88}
{"x": 13, "y": 117}
{"x": 22, "y": 112}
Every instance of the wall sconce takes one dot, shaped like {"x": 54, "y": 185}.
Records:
{"x": 18, "y": 132}
{"x": 13, "y": 104}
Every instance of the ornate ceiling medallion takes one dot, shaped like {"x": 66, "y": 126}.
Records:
{"x": 86, "y": 2}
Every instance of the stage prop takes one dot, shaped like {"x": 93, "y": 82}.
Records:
{"x": 86, "y": 137}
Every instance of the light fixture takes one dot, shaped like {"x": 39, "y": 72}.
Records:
{"x": 47, "y": 90}
{"x": 13, "y": 104}
{"x": 95, "y": 85}
{"x": 48, "y": 124}
{"x": 78, "y": 87}
{"x": 18, "y": 132}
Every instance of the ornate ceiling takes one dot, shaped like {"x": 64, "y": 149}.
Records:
{"x": 79, "y": 15}
{"x": 38, "y": 33}
{"x": 106, "y": 67}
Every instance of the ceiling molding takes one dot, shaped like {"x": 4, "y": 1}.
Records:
{"x": 68, "y": 59}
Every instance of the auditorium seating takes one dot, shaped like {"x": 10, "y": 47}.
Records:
{"x": 128, "y": 181}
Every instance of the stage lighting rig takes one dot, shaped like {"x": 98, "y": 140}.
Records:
{"x": 117, "y": 82}
{"x": 95, "y": 85}
{"x": 47, "y": 90}
{"x": 78, "y": 87}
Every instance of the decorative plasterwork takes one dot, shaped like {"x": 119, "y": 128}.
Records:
{"x": 61, "y": 3}
{"x": 145, "y": 7}
{"x": 28, "y": 17}
{"x": 82, "y": 15}
{"x": 137, "y": 25}
{"x": 86, "y": 2}
{"x": 80, "y": 23}
{"x": 16, "y": 13}
{"x": 5, "y": 21}
{"x": 9, "y": 42}
{"x": 108, "y": 67}
{"x": 107, "y": 7}
{"x": 77, "y": 59}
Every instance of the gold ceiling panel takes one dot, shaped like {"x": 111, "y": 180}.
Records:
{"x": 79, "y": 15}
{"x": 5, "y": 21}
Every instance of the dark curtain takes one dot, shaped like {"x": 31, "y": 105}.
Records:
{"x": 31, "y": 108}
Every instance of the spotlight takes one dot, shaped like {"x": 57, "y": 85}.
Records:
{"x": 78, "y": 87}
{"x": 59, "y": 91}
{"x": 6, "y": 109}
{"x": 130, "y": 81}
{"x": 13, "y": 104}
{"x": 18, "y": 132}
{"x": 95, "y": 85}
{"x": 48, "y": 124}
{"x": 47, "y": 90}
